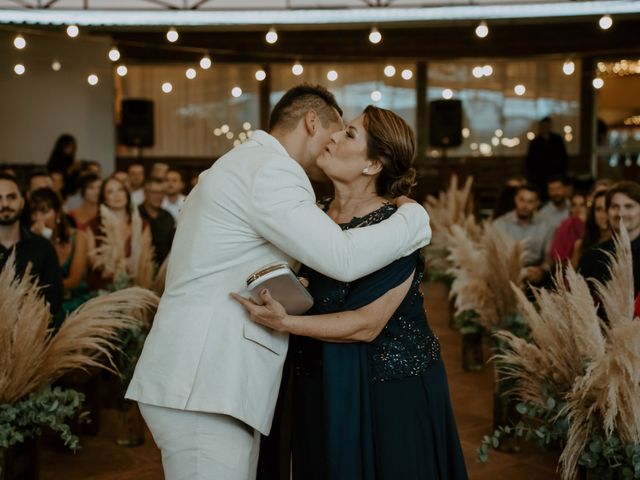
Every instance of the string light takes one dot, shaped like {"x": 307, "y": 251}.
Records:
{"x": 482, "y": 30}
{"x": 389, "y": 70}
{"x": 519, "y": 89}
{"x": 229, "y": 135}
{"x": 167, "y": 87}
{"x": 19, "y": 42}
{"x": 114, "y": 54}
{"x": 407, "y": 74}
{"x": 19, "y": 69}
{"x": 172, "y": 35}
{"x": 376, "y": 95}
{"x": 246, "y": 126}
{"x": 466, "y": 132}
{"x": 236, "y": 92}
{"x": 297, "y": 69}
{"x": 122, "y": 70}
{"x": 567, "y": 129}
{"x": 56, "y": 66}
{"x": 487, "y": 70}
{"x": 92, "y": 79}
{"x": 261, "y": 75}
{"x": 531, "y": 135}
{"x": 224, "y": 128}
{"x": 598, "y": 83}
{"x": 73, "y": 31}
{"x": 477, "y": 72}
{"x": 205, "y": 62}
{"x": 272, "y": 36}
{"x": 568, "y": 67}
{"x": 375, "y": 36}
{"x": 605, "y": 22}
{"x": 332, "y": 75}
{"x": 190, "y": 73}
{"x": 498, "y": 133}
{"x": 447, "y": 94}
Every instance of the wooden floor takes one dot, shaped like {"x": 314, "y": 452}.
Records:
{"x": 471, "y": 394}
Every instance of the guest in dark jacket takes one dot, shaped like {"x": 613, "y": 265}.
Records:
{"x": 546, "y": 157}
{"x": 162, "y": 224}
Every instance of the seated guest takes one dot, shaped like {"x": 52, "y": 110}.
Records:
{"x": 123, "y": 177}
{"x": 116, "y": 198}
{"x": 29, "y": 248}
{"x": 557, "y": 208}
{"x": 570, "y": 230}
{"x": 159, "y": 170}
{"x": 88, "y": 209}
{"x": 135, "y": 172}
{"x": 38, "y": 179}
{"x": 623, "y": 205}
{"x": 596, "y": 228}
{"x": 48, "y": 220}
{"x": 174, "y": 198}
{"x": 525, "y": 224}
{"x": 161, "y": 222}
{"x": 505, "y": 202}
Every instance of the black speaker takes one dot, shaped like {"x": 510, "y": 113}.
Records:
{"x": 136, "y": 126}
{"x": 445, "y": 123}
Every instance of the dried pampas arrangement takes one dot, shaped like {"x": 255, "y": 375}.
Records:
{"x": 589, "y": 367}
{"x": 483, "y": 270}
{"x": 32, "y": 355}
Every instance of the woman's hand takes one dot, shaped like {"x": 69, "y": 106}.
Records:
{"x": 271, "y": 314}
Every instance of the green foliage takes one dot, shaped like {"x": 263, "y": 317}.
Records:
{"x": 132, "y": 341}
{"x": 610, "y": 458}
{"x": 48, "y": 407}
{"x": 467, "y": 322}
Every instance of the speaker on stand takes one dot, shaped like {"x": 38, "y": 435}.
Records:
{"x": 445, "y": 124}
{"x": 136, "y": 125}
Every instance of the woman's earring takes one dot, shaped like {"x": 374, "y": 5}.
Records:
{"x": 365, "y": 170}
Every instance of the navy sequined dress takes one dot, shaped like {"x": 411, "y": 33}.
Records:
{"x": 379, "y": 410}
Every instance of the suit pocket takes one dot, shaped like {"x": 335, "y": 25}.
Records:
{"x": 277, "y": 342}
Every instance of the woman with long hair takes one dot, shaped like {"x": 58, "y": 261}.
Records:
{"x": 90, "y": 184}
{"x": 370, "y": 393}
{"x": 48, "y": 220}
{"x": 596, "y": 227}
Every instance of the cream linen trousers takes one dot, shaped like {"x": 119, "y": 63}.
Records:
{"x": 202, "y": 446}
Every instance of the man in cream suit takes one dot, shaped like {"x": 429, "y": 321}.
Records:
{"x": 208, "y": 378}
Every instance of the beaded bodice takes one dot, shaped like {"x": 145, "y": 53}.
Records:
{"x": 406, "y": 346}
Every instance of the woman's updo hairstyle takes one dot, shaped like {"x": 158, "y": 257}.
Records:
{"x": 391, "y": 142}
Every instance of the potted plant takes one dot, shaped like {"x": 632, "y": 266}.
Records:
{"x": 33, "y": 356}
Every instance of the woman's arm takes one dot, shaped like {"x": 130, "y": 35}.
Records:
{"x": 78, "y": 263}
{"x": 361, "y": 325}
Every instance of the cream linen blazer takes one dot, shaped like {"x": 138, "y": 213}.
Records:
{"x": 253, "y": 207}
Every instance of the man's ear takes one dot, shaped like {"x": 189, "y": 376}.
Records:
{"x": 310, "y": 122}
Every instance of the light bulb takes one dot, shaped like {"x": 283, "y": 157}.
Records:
{"x": 205, "y": 62}
{"x": 389, "y": 70}
{"x": 447, "y": 94}
{"x": 332, "y": 75}
{"x": 376, "y": 95}
{"x": 73, "y": 31}
{"x": 531, "y": 135}
{"x": 598, "y": 83}
{"x": 19, "y": 42}
{"x": 272, "y": 36}
{"x": 172, "y": 35}
{"x": 407, "y": 74}
{"x": 375, "y": 36}
{"x": 482, "y": 30}
{"x": 190, "y": 73}
{"x": 498, "y": 133}
{"x": 477, "y": 72}
{"x": 56, "y": 66}
{"x": 519, "y": 89}
{"x": 236, "y": 92}
{"x": 92, "y": 79}
{"x": 605, "y": 22}
{"x": 167, "y": 87}
{"x": 19, "y": 69}
{"x": 261, "y": 75}
{"x": 246, "y": 126}
{"x": 114, "y": 54}
{"x": 122, "y": 70}
{"x": 297, "y": 69}
{"x": 487, "y": 70}
{"x": 568, "y": 67}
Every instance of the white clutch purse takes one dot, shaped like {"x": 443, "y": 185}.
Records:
{"x": 284, "y": 286}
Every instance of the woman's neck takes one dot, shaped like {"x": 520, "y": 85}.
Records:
{"x": 121, "y": 215}
{"x": 350, "y": 202}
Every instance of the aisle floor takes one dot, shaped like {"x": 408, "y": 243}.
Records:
{"x": 471, "y": 393}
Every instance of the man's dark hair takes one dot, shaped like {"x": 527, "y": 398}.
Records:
{"x": 85, "y": 180}
{"x": 37, "y": 173}
{"x": 179, "y": 172}
{"x": 529, "y": 187}
{"x": 10, "y": 178}
{"x": 626, "y": 187}
{"x": 564, "y": 179}
{"x": 135, "y": 164}
{"x": 153, "y": 180}
{"x": 297, "y": 101}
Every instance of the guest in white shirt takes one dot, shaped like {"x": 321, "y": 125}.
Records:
{"x": 558, "y": 208}
{"x": 174, "y": 198}
{"x": 136, "y": 183}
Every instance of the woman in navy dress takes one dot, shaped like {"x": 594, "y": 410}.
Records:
{"x": 370, "y": 393}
